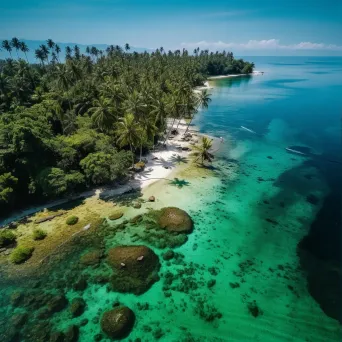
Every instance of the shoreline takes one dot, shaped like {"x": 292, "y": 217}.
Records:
{"x": 160, "y": 165}
{"x": 254, "y": 73}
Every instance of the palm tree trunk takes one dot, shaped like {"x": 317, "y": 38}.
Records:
{"x": 140, "y": 152}
{"x": 131, "y": 148}
{"x": 179, "y": 122}
{"x": 187, "y": 127}
{"x": 17, "y": 53}
{"x": 26, "y": 58}
{"x": 168, "y": 133}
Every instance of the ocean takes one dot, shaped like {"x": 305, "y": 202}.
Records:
{"x": 263, "y": 262}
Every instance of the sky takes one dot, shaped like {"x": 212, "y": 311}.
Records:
{"x": 246, "y": 27}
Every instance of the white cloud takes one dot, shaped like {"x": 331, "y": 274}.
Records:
{"x": 265, "y": 44}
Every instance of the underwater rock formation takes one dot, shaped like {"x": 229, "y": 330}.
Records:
{"x": 118, "y": 323}
{"x": 135, "y": 268}
{"x": 91, "y": 258}
{"x": 175, "y": 220}
{"x": 77, "y": 307}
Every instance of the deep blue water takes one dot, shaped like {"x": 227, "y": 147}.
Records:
{"x": 305, "y": 92}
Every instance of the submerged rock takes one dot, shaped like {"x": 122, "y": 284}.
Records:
{"x": 72, "y": 334}
{"x": 77, "y": 307}
{"x": 118, "y": 323}
{"x": 57, "y": 303}
{"x": 168, "y": 255}
{"x": 151, "y": 199}
{"x": 135, "y": 268}
{"x": 91, "y": 258}
{"x": 175, "y": 220}
{"x": 116, "y": 215}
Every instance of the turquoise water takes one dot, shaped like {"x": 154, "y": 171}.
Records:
{"x": 266, "y": 226}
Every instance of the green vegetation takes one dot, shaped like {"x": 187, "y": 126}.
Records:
{"x": 39, "y": 234}
{"x": 71, "y": 220}
{"x": 203, "y": 150}
{"x": 21, "y": 254}
{"x": 65, "y": 127}
{"x": 6, "y": 238}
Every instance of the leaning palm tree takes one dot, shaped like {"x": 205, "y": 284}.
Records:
{"x": 24, "y": 48}
{"x": 39, "y": 55}
{"x": 51, "y": 44}
{"x": 16, "y": 45}
{"x": 203, "y": 101}
{"x": 7, "y": 46}
{"x": 203, "y": 150}
{"x": 127, "y": 47}
{"x": 129, "y": 133}
{"x": 45, "y": 52}
{"x": 57, "y": 50}
{"x": 103, "y": 113}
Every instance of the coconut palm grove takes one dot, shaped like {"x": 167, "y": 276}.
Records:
{"x": 73, "y": 121}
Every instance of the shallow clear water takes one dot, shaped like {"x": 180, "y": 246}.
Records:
{"x": 249, "y": 218}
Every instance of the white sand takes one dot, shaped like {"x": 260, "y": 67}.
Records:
{"x": 162, "y": 167}
{"x": 254, "y": 73}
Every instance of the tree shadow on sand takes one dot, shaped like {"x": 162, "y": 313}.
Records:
{"x": 180, "y": 183}
{"x": 178, "y": 159}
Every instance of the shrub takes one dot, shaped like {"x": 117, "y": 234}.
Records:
{"x": 21, "y": 254}
{"x": 39, "y": 234}
{"x": 72, "y": 220}
{"x": 6, "y": 238}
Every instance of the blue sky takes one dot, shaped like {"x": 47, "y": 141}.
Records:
{"x": 249, "y": 27}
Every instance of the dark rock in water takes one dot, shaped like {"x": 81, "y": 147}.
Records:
{"x": 137, "y": 205}
{"x": 136, "y": 219}
{"x": 80, "y": 285}
{"x": 254, "y": 309}
{"x": 57, "y": 337}
{"x": 175, "y": 220}
{"x": 234, "y": 285}
{"x": 98, "y": 337}
{"x": 168, "y": 255}
{"x": 308, "y": 176}
{"x": 72, "y": 333}
{"x": 19, "y": 319}
{"x": 151, "y": 199}
{"x": 91, "y": 258}
{"x": 118, "y": 323}
{"x": 211, "y": 283}
{"x": 77, "y": 307}
{"x": 266, "y": 202}
{"x": 271, "y": 221}
{"x": 135, "y": 268}
{"x": 16, "y": 298}
{"x": 40, "y": 332}
{"x": 57, "y": 303}
{"x": 312, "y": 199}
{"x": 269, "y": 157}
{"x": 84, "y": 322}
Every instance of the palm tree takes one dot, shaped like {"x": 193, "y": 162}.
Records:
{"x": 68, "y": 52}
{"x": 203, "y": 150}
{"x": 24, "y": 48}
{"x": 103, "y": 113}
{"x": 127, "y": 47}
{"x": 16, "y": 45}
{"x": 57, "y": 50}
{"x": 203, "y": 102}
{"x": 39, "y": 55}
{"x": 45, "y": 52}
{"x": 77, "y": 52}
{"x": 7, "y": 46}
{"x": 129, "y": 132}
{"x": 51, "y": 44}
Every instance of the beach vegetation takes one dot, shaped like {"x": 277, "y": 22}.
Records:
{"x": 81, "y": 119}
{"x": 71, "y": 220}
{"x": 7, "y": 238}
{"x": 203, "y": 150}
{"x": 39, "y": 234}
{"x": 21, "y": 254}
